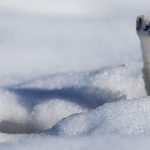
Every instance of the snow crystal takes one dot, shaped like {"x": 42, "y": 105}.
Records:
{"x": 122, "y": 117}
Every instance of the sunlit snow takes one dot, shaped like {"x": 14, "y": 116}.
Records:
{"x": 72, "y": 78}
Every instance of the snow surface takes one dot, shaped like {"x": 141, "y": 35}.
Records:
{"x": 72, "y": 78}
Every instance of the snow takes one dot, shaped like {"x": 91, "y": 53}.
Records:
{"x": 123, "y": 117}
{"x": 71, "y": 76}
{"x": 103, "y": 142}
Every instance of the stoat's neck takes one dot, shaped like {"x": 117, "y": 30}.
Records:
{"x": 145, "y": 45}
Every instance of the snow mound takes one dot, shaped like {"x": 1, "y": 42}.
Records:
{"x": 39, "y": 104}
{"x": 122, "y": 117}
{"x": 16, "y": 117}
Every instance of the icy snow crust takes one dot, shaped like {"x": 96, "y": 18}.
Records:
{"x": 41, "y": 108}
{"x": 73, "y": 82}
{"x": 123, "y": 117}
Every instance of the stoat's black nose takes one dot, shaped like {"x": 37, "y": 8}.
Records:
{"x": 146, "y": 27}
{"x": 139, "y": 22}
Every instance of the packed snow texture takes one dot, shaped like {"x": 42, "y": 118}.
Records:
{"x": 72, "y": 78}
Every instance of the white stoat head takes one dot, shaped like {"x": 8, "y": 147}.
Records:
{"x": 143, "y": 26}
{"x": 143, "y": 31}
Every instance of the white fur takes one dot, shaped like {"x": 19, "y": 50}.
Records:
{"x": 145, "y": 45}
{"x": 143, "y": 31}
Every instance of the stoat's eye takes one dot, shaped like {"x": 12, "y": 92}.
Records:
{"x": 139, "y": 22}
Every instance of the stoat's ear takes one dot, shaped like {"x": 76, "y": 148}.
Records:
{"x": 139, "y": 22}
